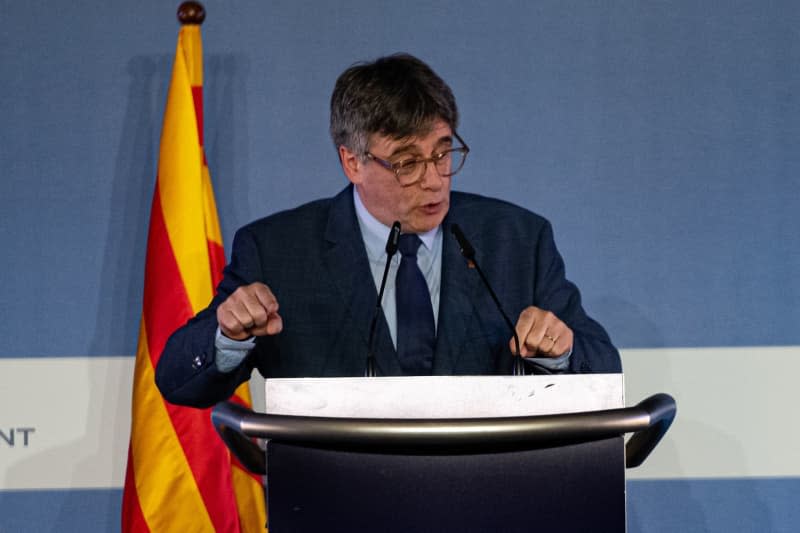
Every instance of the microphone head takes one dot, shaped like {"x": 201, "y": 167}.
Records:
{"x": 394, "y": 238}
{"x": 466, "y": 248}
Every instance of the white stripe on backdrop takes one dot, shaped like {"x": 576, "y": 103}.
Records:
{"x": 64, "y": 421}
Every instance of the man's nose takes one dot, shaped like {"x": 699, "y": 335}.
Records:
{"x": 430, "y": 178}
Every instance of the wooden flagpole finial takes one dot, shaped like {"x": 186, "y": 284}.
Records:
{"x": 191, "y": 13}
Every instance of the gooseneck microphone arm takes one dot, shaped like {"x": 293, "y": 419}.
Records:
{"x": 391, "y": 249}
{"x": 518, "y": 368}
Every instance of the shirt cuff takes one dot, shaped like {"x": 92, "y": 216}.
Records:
{"x": 231, "y": 353}
{"x": 552, "y": 363}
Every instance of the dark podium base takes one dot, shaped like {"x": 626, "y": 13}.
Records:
{"x": 578, "y": 487}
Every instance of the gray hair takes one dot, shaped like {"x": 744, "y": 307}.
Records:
{"x": 398, "y": 96}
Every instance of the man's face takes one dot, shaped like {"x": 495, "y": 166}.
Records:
{"x": 419, "y": 207}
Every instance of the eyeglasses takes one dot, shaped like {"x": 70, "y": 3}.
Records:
{"x": 411, "y": 171}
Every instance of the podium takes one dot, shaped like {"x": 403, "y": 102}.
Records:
{"x": 482, "y": 453}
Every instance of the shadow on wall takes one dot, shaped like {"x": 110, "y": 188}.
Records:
{"x": 227, "y": 148}
{"x": 121, "y": 281}
{"x": 85, "y": 450}
{"x": 628, "y": 324}
{"x": 122, "y": 276}
{"x": 681, "y": 503}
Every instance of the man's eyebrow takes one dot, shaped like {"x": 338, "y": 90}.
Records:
{"x": 403, "y": 149}
{"x": 445, "y": 139}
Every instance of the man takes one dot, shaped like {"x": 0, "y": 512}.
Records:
{"x": 299, "y": 293}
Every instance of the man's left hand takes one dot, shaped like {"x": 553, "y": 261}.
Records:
{"x": 541, "y": 333}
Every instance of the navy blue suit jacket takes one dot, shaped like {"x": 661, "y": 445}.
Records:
{"x": 313, "y": 258}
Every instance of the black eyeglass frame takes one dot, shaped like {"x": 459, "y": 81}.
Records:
{"x": 434, "y": 158}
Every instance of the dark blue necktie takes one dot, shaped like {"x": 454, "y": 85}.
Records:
{"x": 416, "y": 331}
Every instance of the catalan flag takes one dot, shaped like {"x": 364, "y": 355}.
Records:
{"x": 180, "y": 476}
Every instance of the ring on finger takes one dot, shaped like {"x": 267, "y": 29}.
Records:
{"x": 551, "y": 339}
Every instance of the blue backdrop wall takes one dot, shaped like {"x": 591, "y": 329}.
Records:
{"x": 660, "y": 138}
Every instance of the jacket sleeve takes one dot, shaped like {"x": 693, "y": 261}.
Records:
{"x": 592, "y": 350}
{"x": 186, "y": 373}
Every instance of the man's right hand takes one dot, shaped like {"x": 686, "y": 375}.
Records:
{"x": 251, "y": 310}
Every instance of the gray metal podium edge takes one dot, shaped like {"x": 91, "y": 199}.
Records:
{"x": 648, "y": 420}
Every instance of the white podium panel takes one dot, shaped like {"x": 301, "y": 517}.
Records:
{"x": 444, "y": 396}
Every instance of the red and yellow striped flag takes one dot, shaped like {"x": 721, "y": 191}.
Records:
{"x": 180, "y": 476}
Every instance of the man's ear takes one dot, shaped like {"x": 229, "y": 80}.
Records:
{"x": 351, "y": 164}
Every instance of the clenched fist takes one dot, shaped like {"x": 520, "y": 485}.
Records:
{"x": 252, "y": 310}
{"x": 541, "y": 333}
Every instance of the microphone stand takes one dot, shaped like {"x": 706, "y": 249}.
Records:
{"x": 518, "y": 365}
{"x": 391, "y": 249}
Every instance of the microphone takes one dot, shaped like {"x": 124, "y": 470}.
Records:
{"x": 468, "y": 252}
{"x": 391, "y": 249}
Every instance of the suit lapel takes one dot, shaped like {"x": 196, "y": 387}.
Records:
{"x": 346, "y": 260}
{"x": 456, "y": 304}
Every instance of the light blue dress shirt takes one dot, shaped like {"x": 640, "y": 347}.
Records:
{"x": 429, "y": 259}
